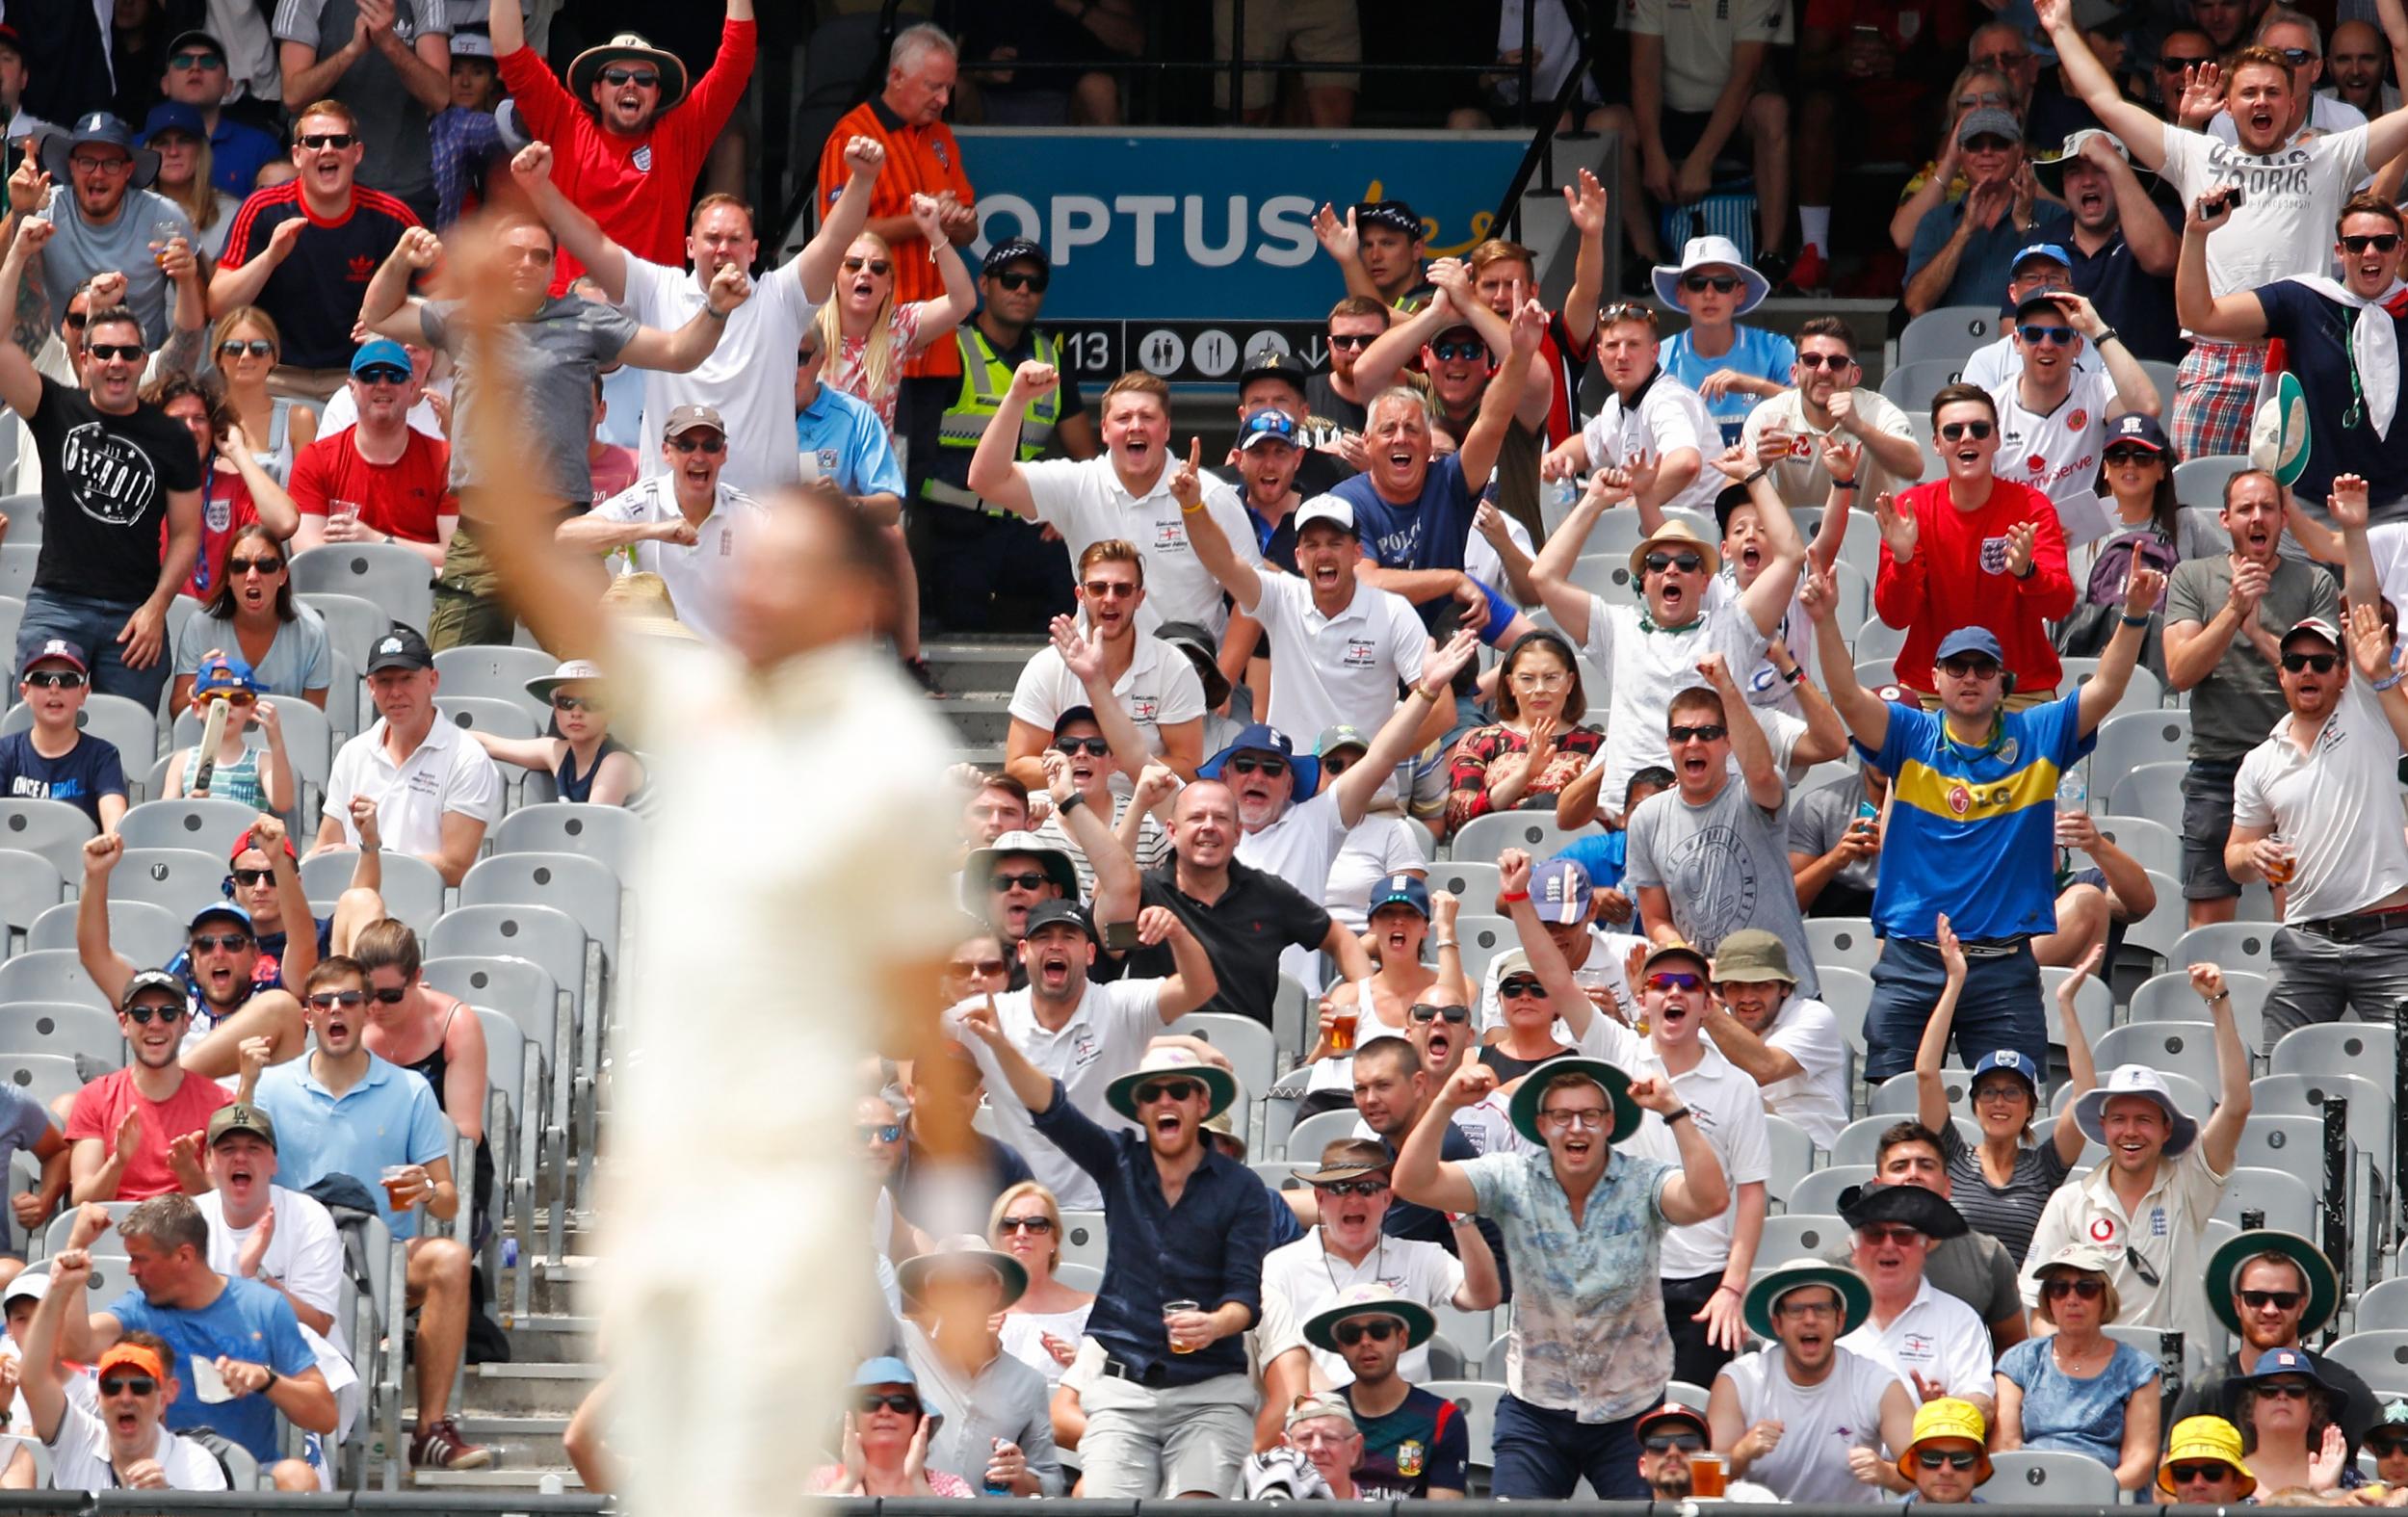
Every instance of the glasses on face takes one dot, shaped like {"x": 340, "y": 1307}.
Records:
{"x": 1988, "y": 142}
{"x": 1248, "y": 764}
{"x": 1970, "y": 668}
{"x": 388, "y": 995}
{"x": 1426, "y": 1012}
{"x": 1953, "y": 1458}
{"x": 2123, "y": 456}
{"x": 316, "y": 140}
{"x": 1351, "y": 339}
{"x": 1017, "y": 280}
{"x": 1033, "y": 880}
{"x": 2321, "y": 662}
{"x": 2004, "y": 61}
{"x": 1094, "y": 747}
{"x": 1686, "y": 563}
{"x": 2380, "y": 241}
{"x": 1719, "y": 283}
{"x": 1666, "y": 1443}
{"x": 1378, "y": 1330}
{"x": 984, "y": 968}
{"x": 196, "y": 60}
{"x": 2285, "y": 1390}
{"x": 2182, "y": 63}
{"x": 1339, "y": 764}
{"x": 1703, "y": 732}
{"x": 2193, "y": 1474}
{"x": 143, "y": 1014}
{"x": 640, "y": 78}
{"x": 1999, "y": 1091}
{"x": 91, "y": 163}
{"x": 54, "y": 679}
{"x": 1955, "y": 431}
{"x": 1980, "y": 97}
{"x": 1166, "y": 1090}
{"x": 1828, "y": 1309}
{"x": 690, "y": 443}
{"x": 2280, "y": 1301}
{"x": 1676, "y": 979}
{"x": 266, "y": 563}
{"x": 879, "y": 267}
{"x": 1350, "y": 1186}
{"x": 2055, "y": 336}
{"x": 870, "y": 1402}
{"x": 1881, "y": 1234}
{"x": 77, "y": 319}
{"x": 1591, "y": 1119}
{"x": 1520, "y": 988}
{"x": 880, "y": 1132}
{"x": 575, "y": 705}
{"x": 120, "y": 1384}
{"x": 1111, "y": 589}
{"x": 130, "y": 351}
{"x": 2060, "y": 1288}
{"x": 1834, "y": 361}
{"x": 2297, "y": 57}
{"x": 253, "y": 877}
{"x": 1039, "y": 1224}
{"x": 214, "y": 942}
{"x": 381, "y": 375}
{"x": 1459, "y": 351}
{"x": 328, "y": 1000}
{"x": 237, "y": 347}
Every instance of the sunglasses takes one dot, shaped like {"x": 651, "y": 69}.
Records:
{"x": 1976, "y": 430}
{"x": 388, "y": 995}
{"x": 1031, "y": 879}
{"x": 118, "y": 1384}
{"x": 1016, "y": 279}
{"x": 2321, "y": 662}
{"x": 1334, "y": 765}
{"x": 2055, "y": 336}
{"x": 2129, "y": 455}
{"x": 880, "y": 1132}
{"x": 1719, "y": 283}
{"x": 1970, "y": 668}
{"x": 1093, "y": 748}
{"x": 1990, "y": 143}
{"x": 691, "y": 444}
{"x": 1379, "y": 1329}
{"x": 196, "y": 61}
{"x": 642, "y": 78}
{"x": 1350, "y": 1186}
{"x": 1666, "y": 1443}
{"x": 264, "y": 566}
{"x": 2285, "y": 1390}
{"x": 328, "y": 1000}
{"x": 1025, "y": 1224}
{"x": 54, "y": 679}
{"x": 381, "y": 373}
{"x": 1676, "y": 979}
{"x": 212, "y": 942}
{"x": 1430, "y": 1013}
{"x": 2297, "y": 57}
{"x": 1703, "y": 732}
{"x": 1879, "y": 1235}
{"x": 2280, "y": 1301}
{"x": 1351, "y": 339}
{"x": 2182, "y": 63}
{"x": 337, "y": 140}
{"x": 1271, "y": 768}
{"x": 1110, "y": 590}
{"x": 1933, "y": 1458}
{"x": 2380, "y": 241}
{"x": 253, "y": 877}
{"x": 1520, "y": 988}
{"x": 1825, "y": 360}
{"x": 1626, "y": 312}
{"x": 877, "y": 266}
{"x": 256, "y": 347}
{"x": 974, "y": 966}
{"x": 1459, "y": 351}
{"x": 77, "y": 319}
{"x": 869, "y": 1401}
{"x": 1980, "y": 97}
{"x": 2185, "y": 1474}
{"x": 143, "y": 1014}
{"x": 2141, "y": 1266}
{"x": 2059, "y": 1288}
{"x": 576, "y": 704}
{"x": 1166, "y": 1090}
{"x": 1686, "y": 563}
{"x": 130, "y": 351}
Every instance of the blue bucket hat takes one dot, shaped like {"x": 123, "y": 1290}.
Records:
{"x": 1264, "y": 738}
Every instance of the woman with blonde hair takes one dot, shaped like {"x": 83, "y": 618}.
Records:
{"x": 177, "y": 133}
{"x": 244, "y": 345}
{"x": 1042, "y": 1328}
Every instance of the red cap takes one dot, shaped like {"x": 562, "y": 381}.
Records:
{"x": 243, "y": 844}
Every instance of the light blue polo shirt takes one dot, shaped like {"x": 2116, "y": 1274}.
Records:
{"x": 390, "y": 1117}
{"x": 851, "y": 443}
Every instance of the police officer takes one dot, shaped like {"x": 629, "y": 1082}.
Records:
{"x": 986, "y": 569}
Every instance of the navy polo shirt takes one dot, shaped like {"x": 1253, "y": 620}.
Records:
{"x": 2137, "y": 303}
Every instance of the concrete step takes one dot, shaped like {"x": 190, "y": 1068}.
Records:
{"x": 498, "y": 1479}
{"x": 529, "y": 1390}
{"x": 518, "y": 1443}
{"x": 969, "y": 666}
{"x": 981, "y": 721}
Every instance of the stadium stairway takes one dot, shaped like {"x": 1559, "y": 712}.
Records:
{"x": 977, "y": 674}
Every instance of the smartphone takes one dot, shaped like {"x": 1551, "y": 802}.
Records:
{"x": 1867, "y": 811}
{"x": 1120, "y": 937}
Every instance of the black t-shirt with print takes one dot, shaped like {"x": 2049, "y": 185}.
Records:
{"x": 105, "y": 480}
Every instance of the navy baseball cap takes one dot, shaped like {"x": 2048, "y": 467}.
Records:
{"x": 2013, "y": 1062}
{"x": 2140, "y": 431}
{"x": 1560, "y": 891}
{"x": 1970, "y": 639}
{"x": 1012, "y": 250}
{"x": 1264, "y": 738}
{"x": 1401, "y": 890}
{"x": 174, "y": 115}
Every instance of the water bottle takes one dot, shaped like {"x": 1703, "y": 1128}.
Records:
{"x": 1561, "y": 494}
{"x": 2073, "y": 793}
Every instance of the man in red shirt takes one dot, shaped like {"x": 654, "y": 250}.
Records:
{"x": 1972, "y": 550}
{"x": 628, "y": 140}
{"x": 381, "y": 481}
{"x": 125, "y": 1124}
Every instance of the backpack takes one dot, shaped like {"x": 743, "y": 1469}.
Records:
{"x": 2114, "y": 564}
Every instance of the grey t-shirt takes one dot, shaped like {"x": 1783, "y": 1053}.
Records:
{"x": 1725, "y": 865}
{"x": 81, "y": 248}
{"x": 301, "y": 658}
{"x": 392, "y": 124}
{"x": 2237, "y": 704}
{"x": 560, "y": 349}
{"x": 1821, "y": 816}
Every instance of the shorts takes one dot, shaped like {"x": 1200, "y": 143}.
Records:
{"x": 2216, "y": 394}
{"x": 2206, "y": 822}
{"x": 1313, "y": 30}
{"x": 1147, "y": 1441}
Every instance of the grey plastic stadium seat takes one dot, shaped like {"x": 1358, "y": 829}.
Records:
{"x": 45, "y": 1077}
{"x": 2169, "y": 998}
{"x": 145, "y": 932}
{"x": 613, "y": 834}
{"x": 2153, "y": 845}
{"x": 1480, "y": 938}
{"x": 1860, "y": 1141}
{"x": 513, "y": 1071}
{"x": 1914, "y": 385}
{"x": 17, "y": 569}
{"x": 24, "y": 514}
{"x": 207, "y": 826}
{"x": 1606, "y": 577}
{"x": 2048, "y": 1478}
{"x": 2334, "y": 1048}
{"x": 1876, "y": 638}
{"x": 1947, "y": 332}
{"x": 85, "y": 1034}
{"x": 1477, "y": 1401}
{"x": 1843, "y": 943}
{"x": 1252, "y": 1052}
{"x": 412, "y": 888}
{"x": 2181, "y": 1048}
{"x": 2289, "y": 1203}
{"x": 1484, "y": 838}
{"x": 2130, "y": 738}
{"x": 114, "y": 719}
{"x": 1792, "y": 1235}
{"x": 2153, "y": 791}
{"x": 12, "y": 612}
{"x": 2291, "y": 1144}
{"x": 182, "y": 880}
{"x": 1848, "y": 993}
{"x": 30, "y": 884}
{"x": 1854, "y": 593}
{"x": 2143, "y": 693}
{"x": 1897, "y": 1095}
{"x": 1473, "y": 881}
{"x": 587, "y": 889}
{"x": 550, "y": 937}
{"x": 2200, "y": 481}
{"x": 308, "y": 735}
{"x": 2383, "y": 1305}
{"x": 2093, "y": 1003}
{"x": 524, "y": 994}
{"x": 1792, "y": 1156}
{"x": 1308, "y": 1138}
{"x": 501, "y": 719}
{"x": 51, "y": 974}
{"x": 2380, "y": 1358}
{"x": 2248, "y": 945}
{"x": 499, "y": 673}
{"x": 1082, "y": 1238}
{"x": 388, "y": 576}
{"x": 1818, "y": 1193}
{"x": 352, "y": 624}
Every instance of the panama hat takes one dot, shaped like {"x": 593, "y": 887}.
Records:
{"x": 631, "y": 47}
{"x": 2135, "y": 1080}
{"x": 1370, "y": 1299}
{"x": 1766, "y": 1291}
{"x": 1121, "y": 1095}
{"x": 1616, "y": 1083}
{"x": 1675, "y": 533}
{"x": 2223, "y": 1275}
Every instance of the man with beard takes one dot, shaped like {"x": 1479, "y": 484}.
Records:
{"x": 1079, "y": 1031}
{"x": 126, "y": 1127}
{"x": 2053, "y": 420}
{"x": 1416, "y": 1445}
{"x": 1393, "y": 1080}
{"x": 1144, "y": 691}
{"x": 2271, "y": 1290}
{"x": 1273, "y": 380}
{"x": 2226, "y": 616}
{"x": 1802, "y": 1416}
{"x": 1787, "y": 433}
{"x": 1173, "y": 1411}
{"x": 2275, "y": 228}
{"x": 1354, "y": 323}
{"x": 1931, "y": 1342}
{"x": 1790, "y": 1044}
{"x": 1583, "y": 1227}
{"x": 1668, "y": 1437}
{"x": 1962, "y": 247}
{"x": 105, "y": 217}
{"x": 1349, "y": 1247}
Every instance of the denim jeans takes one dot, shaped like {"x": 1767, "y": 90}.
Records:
{"x": 1541, "y": 1454}
{"x": 2316, "y": 978}
{"x": 2000, "y": 1008}
{"x": 91, "y": 626}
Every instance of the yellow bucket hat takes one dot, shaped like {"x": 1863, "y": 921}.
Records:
{"x": 2204, "y": 1438}
{"x": 1948, "y": 1416}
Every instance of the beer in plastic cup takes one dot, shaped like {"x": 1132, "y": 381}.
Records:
{"x": 396, "y": 1182}
{"x": 1707, "y": 1474}
{"x": 1342, "y": 1030}
{"x": 1173, "y": 1309}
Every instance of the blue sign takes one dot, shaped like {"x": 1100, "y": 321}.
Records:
{"x": 1217, "y": 225}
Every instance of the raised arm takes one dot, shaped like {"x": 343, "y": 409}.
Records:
{"x": 994, "y": 473}
{"x": 1340, "y": 240}
{"x": 1419, "y": 1174}
{"x": 825, "y": 253}
{"x": 2219, "y": 1139}
{"x": 1766, "y": 787}
{"x": 2370, "y": 651}
{"x": 1552, "y": 570}
{"x": 2346, "y": 505}
{"x": 683, "y": 351}
{"x": 2082, "y": 1070}
{"x": 1394, "y": 742}
{"x": 2141, "y": 589}
{"x": 1032, "y": 1087}
{"x": 939, "y": 317}
{"x": 1192, "y": 982}
{"x": 1867, "y": 715}
{"x": 108, "y": 968}
{"x": 232, "y": 285}
{"x": 2135, "y": 390}
{"x": 2238, "y": 317}
{"x": 388, "y": 308}
{"x": 1497, "y": 406}
{"x": 1700, "y": 1190}
{"x": 1204, "y": 535}
{"x": 1393, "y": 350}
{"x": 581, "y": 236}
{"x": 1931, "y": 1055}
{"x": 2142, "y": 134}
{"x": 20, "y": 385}
{"x": 43, "y": 1386}
{"x": 1585, "y": 205}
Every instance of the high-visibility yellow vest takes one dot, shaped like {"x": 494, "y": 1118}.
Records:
{"x": 985, "y": 379}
